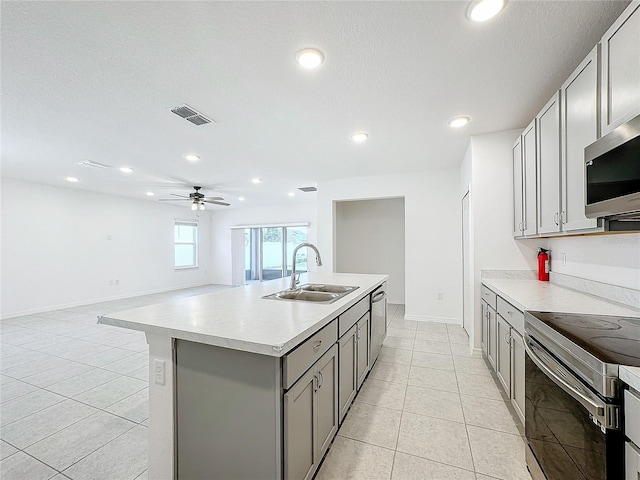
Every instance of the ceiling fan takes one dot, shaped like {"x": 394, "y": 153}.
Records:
{"x": 197, "y": 199}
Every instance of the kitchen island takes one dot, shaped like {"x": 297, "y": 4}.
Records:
{"x": 235, "y": 380}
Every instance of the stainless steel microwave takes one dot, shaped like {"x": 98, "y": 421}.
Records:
{"x": 613, "y": 174}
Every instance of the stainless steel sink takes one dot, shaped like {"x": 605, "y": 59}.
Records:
{"x": 321, "y": 287}
{"x": 318, "y": 293}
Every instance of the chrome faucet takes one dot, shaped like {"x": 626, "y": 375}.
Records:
{"x": 295, "y": 281}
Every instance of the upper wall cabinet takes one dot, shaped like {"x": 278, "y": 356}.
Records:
{"x": 621, "y": 69}
{"x": 518, "y": 190}
{"x": 579, "y": 118}
{"x": 548, "y": 147}
{"x": 529, "y": 179}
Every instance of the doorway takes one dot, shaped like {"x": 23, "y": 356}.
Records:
{"x": 466, "y": 266}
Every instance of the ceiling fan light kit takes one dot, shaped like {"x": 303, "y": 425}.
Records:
{"x": 197, "y": 199}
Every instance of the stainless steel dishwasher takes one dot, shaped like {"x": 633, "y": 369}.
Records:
{"x": 378, "y": 320}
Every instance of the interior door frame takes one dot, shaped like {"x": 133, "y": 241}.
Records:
{"x": 467, "y": 316}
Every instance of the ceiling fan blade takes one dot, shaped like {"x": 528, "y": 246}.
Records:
{"x": 176, "y": 195}
{"x": 212, "y": 198}
{"x": 173, "y": 199}
{"x": 216, "y": 202}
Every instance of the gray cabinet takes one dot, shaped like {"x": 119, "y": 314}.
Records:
{"x": 548, "y": 166}
{"x": 517, "y": 373}
{"x": 579, "y": 122}
{"x": 529, "y": 181}
{"x": 492, "y": 349}
{"x": 311, "y": 417}
{"x": 518, "y": 189}
{"x": 347, "y": 375}
{"x": 485, "y": 328}
{"x": 503, "y": 348}
{"x": 621, "y": 69}
{"x": 363, "y": 344}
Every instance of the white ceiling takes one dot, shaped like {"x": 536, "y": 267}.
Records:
{"x": 96, "y": 80}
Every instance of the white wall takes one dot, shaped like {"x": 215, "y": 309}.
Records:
{"x": 433, "y": 238}
{"x": 487, "y": 166}
{"x": 55, "y": 250}
{"x": 223, "y": 220}
{"x": 612, "y": 259}
{"x": 370, "y": 239}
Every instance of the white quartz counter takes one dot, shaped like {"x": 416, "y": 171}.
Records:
{"x": 239, "y": 318}
{"x": 547, "y": 297}
{"x": 631, "y": 376}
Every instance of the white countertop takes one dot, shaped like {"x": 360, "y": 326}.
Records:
{"x": 630, "y": 376}
{"x": 240, "y": 319}
{"x": 547, "y": 297}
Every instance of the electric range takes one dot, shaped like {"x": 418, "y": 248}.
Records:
{"x": 573, "y": 403}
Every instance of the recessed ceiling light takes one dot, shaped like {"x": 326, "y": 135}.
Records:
{"x": 192, "y": 157}
{"x": 359, "y": 137}
{"x": 458, "y": 122}
{"x": 291, "y": 194}
{"x": 483, "y": 10}
{"x": 72, "y": 179}
{"x": 309, "y": 58}
{"x": 256, "y": 180}
{"x": 150, "y": 194}
{"x": 241, "y": 199}
{"x": 126, "y": 169}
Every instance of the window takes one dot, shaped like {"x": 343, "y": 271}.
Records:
{"x": 268, "y": 252}
{"x": 186, "y": 244}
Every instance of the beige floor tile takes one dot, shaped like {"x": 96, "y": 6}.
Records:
{"x": 461, "y": 350}
{"x": 408, "y": 467}
{"x": 384, "y": 394}
{"x": 390, "y": 372}
{"x": 400, "y": 332}
{"x": 433, "y": 378}
{"x": 433, "y": 360}
{"x": 21, "y": 466}
{"x": 433, "y": 403}
{"x": 435, "y": 439}
{"x": 406, "y": 324}
{"x": 471, "y": 366}
{"x": 488, "y": 413}
{"x": 498, "y": 454}
{"x": 400, "y": 343}
{"x": 349, "y": 459}
{"x": 459, "y": 337}
{"x": 433, "y": 336}
{"x": 432, "y": 327}
{"x": 396, "y": 355}
{"x": 372, "y": 424}
{"x": 479, "y": 386}
{"x": 429, "y": 346}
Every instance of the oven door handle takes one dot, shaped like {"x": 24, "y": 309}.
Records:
{"x": 598, "y": 410}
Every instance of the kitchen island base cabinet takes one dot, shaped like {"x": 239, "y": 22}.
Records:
{"x": 347, "y": 355}
{"x": 311, "y": 417}
{"x": 225, "y": 405}
{"x": 363, "y": 342}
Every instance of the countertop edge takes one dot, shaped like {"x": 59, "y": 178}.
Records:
{"x": 278, "y": 350}
{"x": 630, "y": 376}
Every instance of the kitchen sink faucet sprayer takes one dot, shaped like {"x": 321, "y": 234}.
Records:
{"x": 295, "y": 281}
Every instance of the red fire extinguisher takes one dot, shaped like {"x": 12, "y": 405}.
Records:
{"x": 543, "y": 265}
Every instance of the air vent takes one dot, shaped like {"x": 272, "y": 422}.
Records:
{"x": 308, "y": 189}
{"x": 191, "y": 115}
{"x": 89, "y": 163}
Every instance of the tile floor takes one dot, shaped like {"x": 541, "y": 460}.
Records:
{"x": 429, "y": 410}
{"x": 74, "y": 403}
{"x": 74, "y": 394}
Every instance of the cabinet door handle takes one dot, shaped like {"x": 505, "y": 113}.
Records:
{"x": 315, "y": 383}
{"x": 563, "y": 217}
{"x": 555, "y": 218}
{"x": 358, "y": 332}
{"x": 320, "y": 379}
{"x": 507, "y": 338}
{"x": 316, "y": 345}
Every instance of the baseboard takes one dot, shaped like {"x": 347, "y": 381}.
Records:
{"x": 426, "y": 318}
{"x": 476, "y": 351}
{"x": 35, "y": 311}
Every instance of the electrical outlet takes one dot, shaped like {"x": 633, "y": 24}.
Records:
{"x": 158, "y": 367}
{"x": 564, "y": 259}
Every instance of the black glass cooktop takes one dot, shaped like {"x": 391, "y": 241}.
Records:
{"x": 608, "y": 338}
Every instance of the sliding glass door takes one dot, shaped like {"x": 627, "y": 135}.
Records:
{"x": 269, "y": 251}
